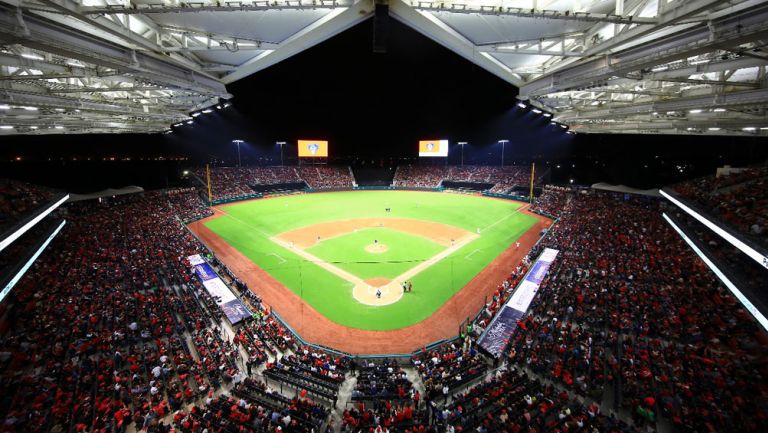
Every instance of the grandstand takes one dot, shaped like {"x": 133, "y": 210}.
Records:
{"x": 283, "y": 233}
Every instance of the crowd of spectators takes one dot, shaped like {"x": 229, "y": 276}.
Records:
{"x": 511, "y": 401}
{"x": 739, "y": 198}
{"x": 187, "y": 204}
{"x": 628, "y": 303}
{"x": 18, "y": 199}
{"x": 111, "y": 329}
{"x": 553, "y": 200}
{"x": 236, "y": 182}
{"x": 419, "y": 176}
{"x": 326, "y": 176}
{"x": 450, "y": 366}
{"x": 503, "y": 179}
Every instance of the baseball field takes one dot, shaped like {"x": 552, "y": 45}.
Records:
{"x": 347, "y": 254}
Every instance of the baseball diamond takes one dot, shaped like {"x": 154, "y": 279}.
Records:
{"x": 324, "y": 243}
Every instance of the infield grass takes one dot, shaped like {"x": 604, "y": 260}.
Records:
{"x": 348, "y": 252}
{"x": 248, "y": 227}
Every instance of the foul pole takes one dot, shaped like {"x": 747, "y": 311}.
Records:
{"x": 533, "y": 171}
{"x": 208, "y": 175}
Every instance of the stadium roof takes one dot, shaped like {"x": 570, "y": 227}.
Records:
{"x": 608, "y": 66}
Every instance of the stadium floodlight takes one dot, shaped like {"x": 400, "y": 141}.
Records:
{"x": 5, "y": 107}
{"x": 696, "y": 111}
{"x": 503, "y": 144}
{"x": 207, "y": 111}
{"x": 536, "y": 110}
{"x": 237, "y": 142}
{"x": 281, "y": 144}
{"x": 462, "y": 144}
{"x": 547, "y": 114}
{"x": 30, "y": 108}
{"x": 713, "y": 129}
{"x": 178, "y": 124}
{"x": 33, "y": 127}
{"x": 6, "y": 127}
{"x": 227, "y": 105}
{"x": 189, "y": 122}
{"x": 719, "y": 110}
{"x": 563, "y": 126}
{"x": 218, "y": 107}
{"x": 195, "y": 114}
{"x": 59, "y": 127}
{"x": 748, "y": 128}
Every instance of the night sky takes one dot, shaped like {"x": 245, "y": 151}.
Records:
{"x": 376, "y": 107}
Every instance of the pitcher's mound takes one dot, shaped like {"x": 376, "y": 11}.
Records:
{"x": 376, "y": 248}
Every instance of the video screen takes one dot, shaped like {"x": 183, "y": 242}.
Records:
{"x": 313, "y": 148}
{"x": 433, "y": 148}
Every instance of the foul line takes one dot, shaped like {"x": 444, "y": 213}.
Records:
{"x": 521, "y": 208}
{"x": 358, "y": 281}
{"x": 467, "y": 257}
{"x": 282, "y": 260}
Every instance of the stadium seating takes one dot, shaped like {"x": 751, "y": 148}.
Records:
{"x": 110, "y": 330}
{"x": 739, "y": 199}
{"x": 17, "y": 199}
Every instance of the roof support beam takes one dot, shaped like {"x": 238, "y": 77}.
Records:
{"x": 433, "y": 28}
{"x": 742, "y": 27}
{"x": 223, "y": 6}
{"x": 735, "y": 99}
{"x": 55, "y": 38}
{"x": 326, "y": 27}
{"x": 568, "y": 15}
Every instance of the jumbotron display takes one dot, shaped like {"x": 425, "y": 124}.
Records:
{"x": 313, "y": 148}
{"x": 431, "y": 148}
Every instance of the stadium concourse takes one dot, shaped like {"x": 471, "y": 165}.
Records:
{"x": 110, "y": 331}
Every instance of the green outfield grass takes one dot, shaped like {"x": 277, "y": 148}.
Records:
{"x": 248, "y": 227}
{"x": 348, "y": 252}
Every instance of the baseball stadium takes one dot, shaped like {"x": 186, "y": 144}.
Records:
{"x": 358, "y": 216}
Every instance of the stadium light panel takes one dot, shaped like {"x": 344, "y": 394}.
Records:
{"x": 536, "y": 110}
{"x": 189, "y": 122}
{"x": 521, "y": 105}
{"x": 719, "y": 110}
{"x": 207, "y": 111}
{"x": 33, "y": 127}
{"x": 32, "y": 56}
{"x": 720, "y": 275}
{"x": 31, "y": 223}
{"x": 5, "y": 107}
{"x": 713, "y": 129}
{"x": 748, "y": 128}
{"x": 696, "y": 111}
{"x": 25, "y": 268}
{"x": 547, "y": 114}
{"x": 59, "y": 127}
{"x": 6, "y": 127}
{"x": 195, "y": 114}
{"x": 733, "y": 240}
